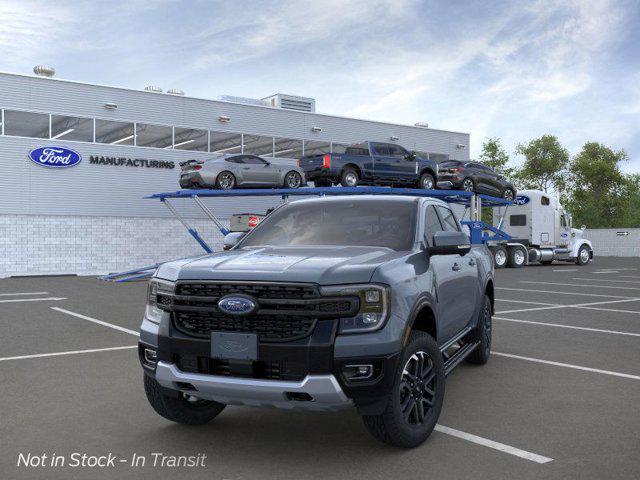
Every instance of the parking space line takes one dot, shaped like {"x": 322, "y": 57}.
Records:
{"x": 491, "y": 444}
{"x": 22, "y": 293}
{"x": 95, "y": 320}
{"x": 45, "y": 299}
{"x": 573, "y": 327}
{"x": 567, "y": 365}
{"x": 564, "y": 293}
{"x": 71, "y": 352}
{"x": 579, "y": 305}
{"x": 526, "y": 301}
{"x": 617, "y": 310}
{"x": 565, "y": 269}
{"x": 579, "y": 285}
{"x": 605, "y": 280}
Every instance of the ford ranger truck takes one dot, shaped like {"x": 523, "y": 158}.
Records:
{"x": 371, "y": 163}
{"x": 328, "y": 303}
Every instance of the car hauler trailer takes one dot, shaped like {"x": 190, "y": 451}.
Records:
{"x": 470, "y": 201}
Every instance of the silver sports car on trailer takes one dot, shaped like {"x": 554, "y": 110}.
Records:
{"x": 240, "y": 170}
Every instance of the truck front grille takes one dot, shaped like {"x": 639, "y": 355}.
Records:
{"x": 267, "y": 327}
{"x": 285, "y": 311}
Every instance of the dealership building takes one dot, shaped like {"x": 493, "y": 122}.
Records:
{"x": 92, "y": 217}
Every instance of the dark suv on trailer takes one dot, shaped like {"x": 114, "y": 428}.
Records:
{"x": 328, "y": 303}
{"x": 474, "y": 177}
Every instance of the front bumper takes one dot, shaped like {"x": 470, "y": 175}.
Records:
{"x": 309, "y": 375}
{"x": 314, "y": 392}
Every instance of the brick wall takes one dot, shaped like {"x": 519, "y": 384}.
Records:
{"x": 49, "y": 245}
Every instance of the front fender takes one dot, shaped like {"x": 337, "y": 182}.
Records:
{"x": 579, "y": 243}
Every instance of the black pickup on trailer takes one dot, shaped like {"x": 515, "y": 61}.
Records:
{"x": 371, "y": 163}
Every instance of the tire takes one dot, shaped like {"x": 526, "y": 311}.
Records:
{"x": 508, "y": 194}
{"x": 225, "y": 180}
{"x": 349, "y": 177}
{"x": 292, "y": 180}
{"x": 322, "y": 182}
{"x": 179, "y": 409}
{"x": 396, "y": 427}
{"x": 517, "y": 257}
{"x": 500, "y": 256}
{"x": 482, "y": 334}
{"x": 427, "y": 182}
{"x": 584, "y": 255}
{"x": 468, "y": 185}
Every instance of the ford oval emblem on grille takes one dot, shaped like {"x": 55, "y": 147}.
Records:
{"x": 237, "y": 305}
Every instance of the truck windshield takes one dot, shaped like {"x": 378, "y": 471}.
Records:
{"x": 376, "y": 223}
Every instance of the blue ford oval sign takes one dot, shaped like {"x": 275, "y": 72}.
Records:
{"x": 56, "y": 157}
{"x": 236, "y": 305}
{"x": 521, "y": 200}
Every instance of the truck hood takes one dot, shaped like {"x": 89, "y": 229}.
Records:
{"x": 322, "y": 265}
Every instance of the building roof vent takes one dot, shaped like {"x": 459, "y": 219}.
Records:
{"x": 44, "y": 71}
{"x": 153, "y": 88}
{"x": 292, "y": 102}
{"x": 422, "y": 124}
{"x": 176, "y": 91}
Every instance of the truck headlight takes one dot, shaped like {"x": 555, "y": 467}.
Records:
{"x": 159, "y": 295}
{"x": 374, "y": 301}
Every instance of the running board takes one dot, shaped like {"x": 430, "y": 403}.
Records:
{"x": 455, "y": 339}
{"x": 462, "y": 353}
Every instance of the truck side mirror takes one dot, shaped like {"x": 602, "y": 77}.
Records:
{"x": 410, "y": 156}
{"x": 231, "y": 239}
{"x": 449, "y": 243}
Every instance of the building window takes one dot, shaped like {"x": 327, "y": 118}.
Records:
{"x": 71, "y": 128}
{"x": 157, "y": 136}
{"x": 190, "y": 139}
{"x": 258, "y": 145}
{"x": 287, "y": 148}
{"x": 312, "y": 147}
{"x": 26, "y": 124}
{"x": 114, "y": 133}
{"x": 224, "y": 142}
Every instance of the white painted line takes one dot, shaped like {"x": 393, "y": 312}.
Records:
{"x": 95, "y": 320}
{"x": 23, "y": 293}
{"x": 565, "y": 269}
{"x": 559, "y": 325}
{"x": 616, "y": 310}
{"x": 72, "y": 352}
{"x": 45, "y": 299}
{"x": 485, "y": 442}
{"x": 523, "y": 301}
{"x": 605, "y": 280}
{"x": 562, "y": 293}
{"x": 567, "y": 365}
{"x": 578, "y": 305}
{"x": 581, "y": 285}
{"x": 628, "y": 276}
{"x": 605, "y": 272}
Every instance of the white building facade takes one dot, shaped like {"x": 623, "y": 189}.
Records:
{"x": 92, "y": 218}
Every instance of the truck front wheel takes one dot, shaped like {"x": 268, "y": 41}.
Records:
{"x": 584, "y": 255}
{"x": 181, "y": 408}
{"x": 415, "y": 402}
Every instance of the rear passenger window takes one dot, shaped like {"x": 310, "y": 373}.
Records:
{"x": 544, "y": 200}
{"x": 517, "y": 220}
{"x": 449, "y": 222}
{"x": 431, "y": 224}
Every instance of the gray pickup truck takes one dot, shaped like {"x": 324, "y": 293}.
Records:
{"x": 328, "y": 303}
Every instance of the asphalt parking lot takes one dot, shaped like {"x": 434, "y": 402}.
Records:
{"x": 558, "y": 399}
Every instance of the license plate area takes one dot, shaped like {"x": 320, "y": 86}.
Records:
{"x": 234, "y": 346}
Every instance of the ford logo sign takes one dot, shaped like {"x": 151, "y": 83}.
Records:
{"x": 237, "y": 305}
{"x": 56, "y": 157}
{"x": 521, "y": 200}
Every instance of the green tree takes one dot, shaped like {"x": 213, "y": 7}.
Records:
{"x": 495, "y": 156}
{"x": 631, "y": 216}
{"x": 545, "y": 164}
{"x": 599, "y": 191}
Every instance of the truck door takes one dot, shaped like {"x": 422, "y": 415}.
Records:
{"x": 404, "y": 165}
{"x": 455, "y": 276}
{"x": 564, "y": 229}
{"x": 382, "y": 161}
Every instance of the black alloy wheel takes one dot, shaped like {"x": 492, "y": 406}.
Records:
{"x": 417, "y": 388}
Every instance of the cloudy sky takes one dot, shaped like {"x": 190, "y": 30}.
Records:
{"x": 515, "y": 70}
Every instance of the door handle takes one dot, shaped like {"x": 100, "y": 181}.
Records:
{"x": 246, "y": 168}
{"x": 472, "y": 261}
{"x": 456, "y": 267}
